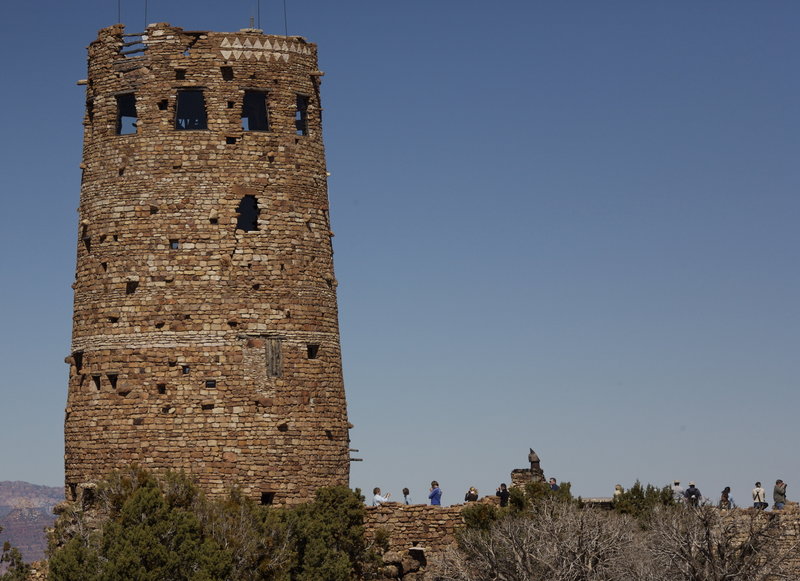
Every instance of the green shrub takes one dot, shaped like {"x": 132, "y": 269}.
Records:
{"x": 639, "y": 501}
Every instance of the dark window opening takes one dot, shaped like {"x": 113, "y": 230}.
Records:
{"x": 180, "y": 74}
{"x": 233, "y": 324}
{"x": 255, "y": 116}
{"x": 301, "y": 115}
{"x": 185, "y": 369}
{"x": 162, "y": 388}
{"x": 256, "y": 286}
{"x": 190, "y": 112}
{"x": 160, "y": 325}
{"x": 231, "y": 104}
{"x": 166, "y": 409}
{"x": 116, "y": 238}
{"x": 329, "y": 434}
{"x": 121, "y": 172}
{"x": 284, "y": 427}
{"x": 131, "y": 286}
{"x": 172, "y": 363}
{"x": 103, "y": 238}
{"x": 227, "y": 73}
{"x": 248, "y": 214}
{"x": 274, "y": 359}
{"x": 126, "y": 114}
{"x": 104, "y": 266}
{"x": 87, "y": 242}
{"x": 112, "y": 379}
{"x": 162, "y": 104}
{"x": 214, "y": 220}
{"x": 288, "y": 314}
{"x": 267, "y": 498}
{"x": 96, "y": 381}
{"x": 211, "y": 383}
{"x": 230, "y": 140}
{"x": 90, "y": 110}
{"x": 77, "y": 357}
{"x": 187, "y": 317}
{"x": 138, "y": 421}
{"x": 113, "y": 319}
{"x": 174, "y": 243}
{"x": 313, "y": 350}
{"x": 207, "y": 406}
{"x": 153, "y": 209}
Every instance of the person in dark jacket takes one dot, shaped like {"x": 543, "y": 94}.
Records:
{"x": 693, "y": 496}
{"x": 504, "y": 494}
{"x": 471, "y": 495}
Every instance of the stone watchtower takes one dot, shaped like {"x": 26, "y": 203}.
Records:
{"x": 205, "y": 333}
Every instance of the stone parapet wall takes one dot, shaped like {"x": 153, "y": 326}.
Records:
{"x": 416, "y": 525}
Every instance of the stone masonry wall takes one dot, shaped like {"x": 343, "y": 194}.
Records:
{"x": 415, "y": 525}
{"x": 201, "y": 342}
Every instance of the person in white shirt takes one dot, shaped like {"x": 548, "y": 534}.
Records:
{"x": 377, "y": 500}
{"x": 759, "y": 497}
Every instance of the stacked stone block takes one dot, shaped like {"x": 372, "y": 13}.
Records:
{"x": 201, "y": 341}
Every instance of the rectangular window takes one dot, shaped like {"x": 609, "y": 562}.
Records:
{"x": 190, "y": 111}
{"x": 274, "y": 359}
{"x": 126, "y": 114}
{"x": 301, "y": 115}
{"x": 255, "y": 116}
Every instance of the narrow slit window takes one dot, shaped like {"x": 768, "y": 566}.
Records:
{"x": 313, "y": 351}
{"x": 274, "y": 359}
{"x": 112, "y": 380}
{"x": 162, "y": 388}
{"x": 248, "y": 214}
{"x": 126, "y": 114}
{"x": 190, "y": 112}
{"x": 96, "y": 381}
{"x": 255, "y": 116}
{"x": 77, "y": 357}
{"x": 301, "y": 115}
{"x": 185, "y": 369}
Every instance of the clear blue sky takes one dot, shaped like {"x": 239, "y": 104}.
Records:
{"x": 565, "y": 225}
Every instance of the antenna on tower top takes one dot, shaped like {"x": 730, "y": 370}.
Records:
{"x": 285, "y": 20}
{"x": 258, "y": 13}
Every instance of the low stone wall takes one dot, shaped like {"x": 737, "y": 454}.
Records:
{"x": 431, "y": 528}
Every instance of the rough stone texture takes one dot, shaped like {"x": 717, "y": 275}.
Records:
{"x": 415, "y": 525}
{"x": 190, "y": 346}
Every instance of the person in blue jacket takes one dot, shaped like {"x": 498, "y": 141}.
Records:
{"x": 435, "y": 494}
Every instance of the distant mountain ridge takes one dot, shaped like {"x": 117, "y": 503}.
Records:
{"x": 25, "y": 511}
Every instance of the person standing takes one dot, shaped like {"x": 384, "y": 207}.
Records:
{"x": 377, "y": 499}
{"x": 726, "y": 500}
{"x": 504, "y": 494}
{"x": 692, "y": 495}
{"x": 406, "y": 497}
{"x": 471, "y": 495}
{"x": 779, "y": 494}
{"x": 759, "y": 497}
{"x": 435, "y": 494}
{"x": 677, "y": 492}
{"x": 553, "y": 485}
